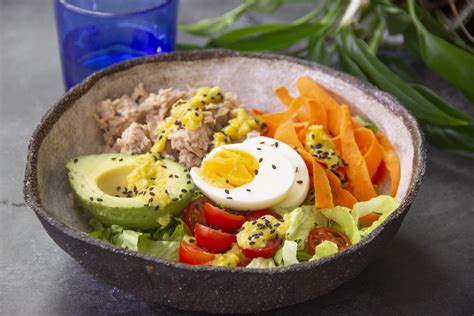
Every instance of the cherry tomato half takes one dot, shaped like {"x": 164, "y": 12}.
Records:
{"x": 251, "y": 215}
{"x": 320, "y": 234}
{"x": 191, "y": 254}
{"x": 265, "y": 252}
{"x": 194, "y": 213}
{"x": 212, "y": 239}
{"x": 222, "y": 219}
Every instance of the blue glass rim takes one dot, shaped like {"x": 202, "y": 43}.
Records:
{"x": 87, "y": 12}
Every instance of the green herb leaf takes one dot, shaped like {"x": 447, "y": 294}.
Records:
{"x": 209, "y": 27}
{"x": 449, "y": 61}
{"x": 450, "y": 137}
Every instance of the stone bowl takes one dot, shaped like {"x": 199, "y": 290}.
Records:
{"x": 68, "y": 129}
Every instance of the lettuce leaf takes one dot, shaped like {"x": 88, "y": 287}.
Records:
{"x": 381, "y": 204}
{"x": 344, "y": 220}
{"x": 299, "y": 223}
{"x": 324, "y": 249}
{"x": 161, "y": 249}
{"x": 286, "y": 255}
{"x": 261, "y": 263}
{"x": 387, "y": 211}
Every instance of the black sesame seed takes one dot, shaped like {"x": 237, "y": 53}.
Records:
{"x": 146, "y": 205}
{"x": 175, "y": 199}
{"x": 192, "y": 240}
{"x": 260, "y": 160}
{"x": 226, "y": 191}
{"x": 226, "y": 181}
{"x": 150, "y": 200}
{"x": 318, "y": 146}
{"x": 116, "y": 195}
{"x": 157, "y": 208}
{"x": 151, "y": 189}
{"x": 258, "y": 148}
{"x": 256, "y": 171}
{"x": 249, "y": 237}
{"x": 254, "y": 222}
{"x": 170, "y": 176}
{"x": 189, "y": 182}
{"x": 229, "y": 198}
{"x": 188, "y": 176}
{"x": 252, "y": 243}
{"x": 272, "y": 231}
{"x": 196, "y": 114}
{"x": 118, "y": 188}
{"x": 113, "y": 158}
{"x": 274, "y": 167}
{"x": 121, "y": 159}
{"x": 248, "y": 190}
{"x": 166, "y": 191}
{"x": 91, "y": 198}
{"x": 180, "y": 196}
{"x": 152, "y": 193}
{"x": 184, "y": 190}
{"x": 176, "y": 176}
{"x": 296, "y": 170}
{"x": 75, "y": 160}
{"x": 299, "y": 181}
{"x": 261, "y": 143}
{"x": 99, "y": 200}
{"x": 277, "y": 224}
{"x": 276, "y": 144}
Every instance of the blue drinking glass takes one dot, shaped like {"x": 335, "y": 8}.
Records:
{"x": 94, "y": 34}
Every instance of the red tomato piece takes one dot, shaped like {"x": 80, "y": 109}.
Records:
{"x": 222, "y": 219}
{"x": 212, "y": 239}
{"x": 194, "y": 213}
{"x": 191, "y": 254}
{"x": 320, "y": 234}
{"x": 252, "y": 215}
{"x": 265, "y": 252}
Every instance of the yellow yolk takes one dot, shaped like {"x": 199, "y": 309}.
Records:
{"x": 238, "y": 127}
{"x": 320, "y": 145}
{"x": 149, "y": 179}
{"x": 229, "y": 168}
{"x": 230, "y": 258}
{"x": 186, "y": 113}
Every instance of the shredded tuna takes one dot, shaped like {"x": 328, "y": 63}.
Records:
{"x": 129, "y": 124}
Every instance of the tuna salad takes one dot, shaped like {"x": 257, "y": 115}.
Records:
{"x": 194, "y": 176}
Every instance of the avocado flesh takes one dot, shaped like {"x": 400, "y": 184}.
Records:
{"x": 98, "y": 176}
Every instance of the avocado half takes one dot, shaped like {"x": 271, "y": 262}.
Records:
{"x": 96, "y": 181}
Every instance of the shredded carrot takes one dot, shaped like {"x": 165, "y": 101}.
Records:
{"x": 313, "y": 113}
{"x": 273, "y": 120}
{"x": 337, "y": 142}
{"x": 302, "y": 133}
{"x": 322, "y": 189}
{"x": 380, "y": 174}
{"x": 392, "y": 163}
{"x": 357, "y": 170}
{"x": 300, "y": 126}
{"x": 368, "y": 219}
{"x": 287, "y": 134}
{"x": 308, "y": 159}
{"x": 310, "y": 89}
{"x": 341, "y": 195}
{"x": 257, "y": 111}
{"x": 370, "y": 148}
{"x": 282, "y": 93}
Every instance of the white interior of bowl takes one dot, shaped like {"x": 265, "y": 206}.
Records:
{"x": 251, "y": 79}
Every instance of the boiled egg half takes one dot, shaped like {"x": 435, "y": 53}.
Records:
{"x": 252, "y": 175}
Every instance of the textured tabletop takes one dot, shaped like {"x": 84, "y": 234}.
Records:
{"x": 426, "y": 269}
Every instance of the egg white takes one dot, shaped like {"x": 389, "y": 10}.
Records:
{"x": 300, "y": 188}
{"x": 269, "y": 187}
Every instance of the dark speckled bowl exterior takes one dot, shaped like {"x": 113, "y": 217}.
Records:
{"x": 210, "y": 289}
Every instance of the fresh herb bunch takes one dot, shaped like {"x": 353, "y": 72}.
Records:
{"x": 353, "y": 31}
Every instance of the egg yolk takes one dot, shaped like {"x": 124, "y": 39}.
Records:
{"x": 229, "y": 168}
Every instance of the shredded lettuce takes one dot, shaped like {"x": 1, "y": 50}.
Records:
{"x": 161, "y": 249}
{"x": 344, "y": 220}
{"x": 381, "y": 204}
{"x": 261, "y": 263}
{"x": 299, "y": 223}
{"x": 286, "y": 255}
{"x": 324, "y": 249}
{"x": 387, "y": 211}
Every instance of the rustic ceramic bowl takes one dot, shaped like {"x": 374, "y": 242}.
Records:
{"x": 69, "y": 130}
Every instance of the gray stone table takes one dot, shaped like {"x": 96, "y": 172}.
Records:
{"x": 426, "y": 269}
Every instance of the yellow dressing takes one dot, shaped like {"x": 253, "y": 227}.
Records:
{"x": 230, "y": 258}
{"x": 238, "y": 127}
{"x": 149, "y": 179}
{"x": 257, "y": 233}
{"x": 187, "y": 113}
{"x": 229, "y": 168}
{"x": 320, "y": 145}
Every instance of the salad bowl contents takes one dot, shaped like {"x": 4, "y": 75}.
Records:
{"x": 264, "y": 190}
{"x": 286, "y": 179}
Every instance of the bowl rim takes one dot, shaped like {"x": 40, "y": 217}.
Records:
{"x": 31, "y": 191}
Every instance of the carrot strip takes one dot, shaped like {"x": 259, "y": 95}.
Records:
{"x": 337, "y": 142}
{"x": 310, "y": 89}
{"x": 341, "y": 195}
{"x": 287, "y": 134}
{"x": 370, "y": 148}
{"x": 313, "y": 113}
{"x": 308, "y": 159}
{"x": 273, "y": 120}
{"x": 380, "y": 174}
{"x": 357, "y": 169}
{"x": 302, "y": 133}
{"x": 368, "y": 219}
{"x": 257, "y": 111}
{"x": 322, "y": 189}
{"x": 392, "y": 163}
{"x": 300, "y": 126}
{"x": 284, "y": 96}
